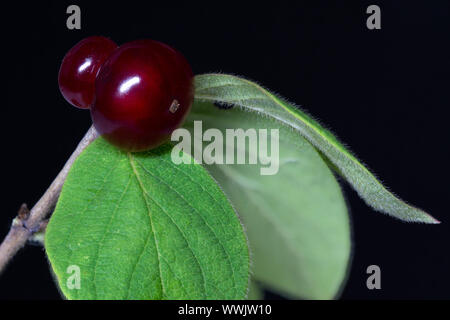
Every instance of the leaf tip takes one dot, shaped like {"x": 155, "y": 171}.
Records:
{"x": 429, "y": 219}
{"x": 434, "y": 221}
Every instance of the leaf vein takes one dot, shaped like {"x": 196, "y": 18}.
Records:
{"x": 203, "y": 219}
{"x": 148, "y": 236}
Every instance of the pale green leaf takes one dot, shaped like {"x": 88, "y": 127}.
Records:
{"x": 237, "y": 91}
{"x": 140, "y": 227}
{"x": 296, "y": 220}
{"x": 255, "y": 292}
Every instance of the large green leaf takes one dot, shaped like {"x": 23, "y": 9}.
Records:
{"x": 230, "y": 89}
{"x": 296, "y": 219}
{"x": 140, "y": 227}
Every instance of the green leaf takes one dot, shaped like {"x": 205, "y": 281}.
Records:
{"x": 140, "y": 227}
{"x": 228, "y": 89}
{"x": 296, "y": 220}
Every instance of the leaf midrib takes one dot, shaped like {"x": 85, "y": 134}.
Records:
{"x": 212, "y": 198}
{"x": 133, "y": 168}
{"x": 199, "y": 214}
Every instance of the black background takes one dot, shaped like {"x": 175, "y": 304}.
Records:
{"x": 384, "y": 92}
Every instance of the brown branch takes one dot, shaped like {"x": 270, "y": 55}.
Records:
{"x": 26, "y": 223}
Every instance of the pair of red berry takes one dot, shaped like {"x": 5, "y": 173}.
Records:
{"x": 137, "y": 93}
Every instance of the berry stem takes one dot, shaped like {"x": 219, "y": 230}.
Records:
{"x": 26, "y": 224}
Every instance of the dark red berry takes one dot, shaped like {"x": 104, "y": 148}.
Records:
{"x": 143, "y": 92}
{"x": 80, "y": 67}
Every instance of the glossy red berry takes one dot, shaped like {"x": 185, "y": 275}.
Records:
{"x": 80, "y": 67}
{"x": 143, "y": 92}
